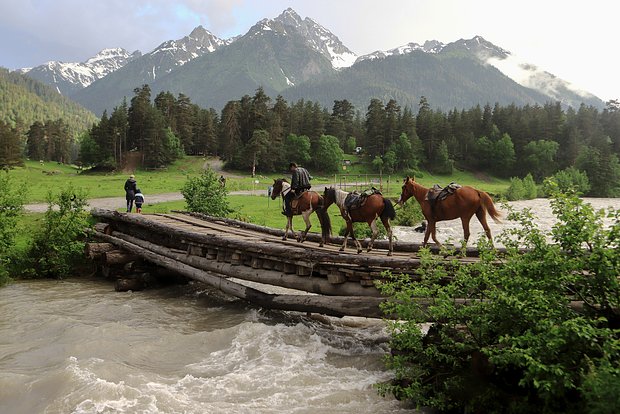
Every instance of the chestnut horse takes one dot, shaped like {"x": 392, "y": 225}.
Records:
{"x": 308, "y": 202}
{"x": 464, "y": 203}
{"x": 375, "y": 206}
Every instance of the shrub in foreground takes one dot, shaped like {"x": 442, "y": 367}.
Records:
{"x": 58, "y": 246}
{"x": 540, "y": 333}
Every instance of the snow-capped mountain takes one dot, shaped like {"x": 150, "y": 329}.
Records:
{"x": 300, "y": 59}
{"x": 430, "y": 46}
{"x": 477, "y": 46}
{"x": 69, "y": 77}
{"x": 174, "y": 53}
{"x": 316, "y": 36}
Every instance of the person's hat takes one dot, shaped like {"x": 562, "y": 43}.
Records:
{"x": 132, "y": 176}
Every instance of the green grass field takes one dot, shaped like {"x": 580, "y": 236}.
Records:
{"x": 41, "y": 178}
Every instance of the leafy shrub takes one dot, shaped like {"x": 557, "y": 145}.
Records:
{"x": 522, "y": 189}
{"x": 572, "y": 179}
{"x": 516, "y": 190}
{"x": 11, "y": 203}
{"x": 204, "y": 194}
{"x": 540, "y": 333}
{"x": 410, "y": 214}
{"x": 59, "y": 245}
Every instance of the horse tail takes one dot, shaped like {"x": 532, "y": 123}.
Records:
{"x": 388, "y": 210}
{"x": 325, "y": 221}
{"x": 489, "y": 207}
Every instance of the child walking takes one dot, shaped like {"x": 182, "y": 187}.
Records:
{"x": 138, "y": 199}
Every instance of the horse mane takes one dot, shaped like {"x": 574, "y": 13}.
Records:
{"x": 339, "y": 196}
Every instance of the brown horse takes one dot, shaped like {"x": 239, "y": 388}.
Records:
{"x": 308, "y": 202}
{"x": 375, "y": 206}
{"x": 464, "y": 203}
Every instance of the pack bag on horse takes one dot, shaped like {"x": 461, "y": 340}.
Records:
{"x": 301, "y": 202}
{"x": 450, "y": 203}
{"x": 360, "y": 208}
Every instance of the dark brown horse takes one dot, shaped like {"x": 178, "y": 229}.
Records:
{"x": 308, "y": 202}
{"x": 375, "y": 206}
{"x": 464, "y": 203}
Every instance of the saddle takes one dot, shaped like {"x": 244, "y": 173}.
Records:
{"x": 295, "y": 200}
{"x": 356, "y": 200}
{"x": 437, "y": 193}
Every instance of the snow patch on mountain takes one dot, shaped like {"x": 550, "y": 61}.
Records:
{"x": 68, "y": 76}
{"x": 430, "y": 46}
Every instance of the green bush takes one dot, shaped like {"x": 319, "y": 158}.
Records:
{"x": 522, "y": 189}
{"x": 12, "y": 198}
{"x": 572, "y": 179}
{"x": 540, "y": 333}
{"x": 516, "y": 190}
{"x": 58, "y": 247}
{"x": 204, "y": 194}
{"x": 410, "y": 214}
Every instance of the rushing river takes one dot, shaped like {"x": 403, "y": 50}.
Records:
{"x": 76, "y": 346}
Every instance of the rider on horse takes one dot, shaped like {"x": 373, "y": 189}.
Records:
{"x": 300, "y": 182}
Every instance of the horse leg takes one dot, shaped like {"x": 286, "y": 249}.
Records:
{"x": 427, "y": 233}
{"x": 434, "y": 234}
{"x": 388, "y": 228}
{"x": 465, "y": 222}
{"x": 346, "y": 235}
{"x": 375, "y": 231}
{"x": 482, "y": 218}
{"x": 288, "y": 223}
{"x": 357, "y": 243}
{"x": 306, "y": 217}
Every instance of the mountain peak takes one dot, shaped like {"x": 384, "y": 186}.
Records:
{"x": 316, "y": 36}
{"x": 289, "y": 17}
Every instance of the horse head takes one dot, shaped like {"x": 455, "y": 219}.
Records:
{"x": 277, "y": 187}
{"x": 407, "y": 190}
{"x": 329, "y": 197}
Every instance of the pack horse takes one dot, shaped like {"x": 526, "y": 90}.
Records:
{"x": 463, "y": 203}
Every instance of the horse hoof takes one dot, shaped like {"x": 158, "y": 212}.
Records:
{"x": 341, "y": 249}
{"x": 359, "y": 251}
{"x": 389, "y": 253}
{"x": 284, "y": 238}
{"x": 321, "y": 245}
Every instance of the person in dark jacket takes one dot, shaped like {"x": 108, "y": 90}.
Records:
{"x": 130, "y": 191}
{"x": 300, "y": 182}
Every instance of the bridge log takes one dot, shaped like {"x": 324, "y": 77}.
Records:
{"x": 95, "y": 250}
{"x": 317, "y": 285}
{"x": 291, "y": 252}
{"x": 118, "y": 257}
{"x": 333, "y": 306}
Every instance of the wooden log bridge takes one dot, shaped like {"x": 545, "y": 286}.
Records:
{"x": 223, "y": 253}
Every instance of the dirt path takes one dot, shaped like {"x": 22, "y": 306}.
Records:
{"x": 113, "y": 203}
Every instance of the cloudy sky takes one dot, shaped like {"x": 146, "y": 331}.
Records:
{"x": 577, "y": 41}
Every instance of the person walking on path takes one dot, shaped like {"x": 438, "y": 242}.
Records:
{"x": 130, "y": 191}
{"x": 300, "y": 182}
{"x": 139, "y": 200}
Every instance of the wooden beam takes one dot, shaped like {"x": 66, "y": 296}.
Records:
{"x": 317, "y": 285}
{"x": 333, "y": 306}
